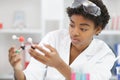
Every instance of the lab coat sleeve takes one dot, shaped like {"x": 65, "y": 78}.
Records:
{"x": 49, "y": 39}
{"x": 102, "y": 68}
{"x": 36, "y": 70}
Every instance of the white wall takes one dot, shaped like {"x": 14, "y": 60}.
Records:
{"x": 52, "y": 14}
{"x": 67, "y": 3}
{"x": 113, "y": 6}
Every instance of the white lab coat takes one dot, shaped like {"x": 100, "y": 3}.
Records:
{"x": 97, "y": 59}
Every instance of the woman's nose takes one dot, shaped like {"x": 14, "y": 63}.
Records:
{"x": 76, "y": 32}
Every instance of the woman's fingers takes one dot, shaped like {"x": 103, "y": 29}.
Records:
{"x": 12, "y": 56}
{"x": 50, "y": 47}
{"x": 43, "y": 50}
{"x": 37, "y": 55}
{"x": 14, "y": 59}
{"x": 11, "y": 51}
{"x": 49, "y": 58}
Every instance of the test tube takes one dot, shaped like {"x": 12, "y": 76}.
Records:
{"x": 87, "y": 76}
{"x": 78, "y": 75}
{"x": 73, "y": 76}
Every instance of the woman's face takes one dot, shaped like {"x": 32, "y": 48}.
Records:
{"x": 82, "y": 30}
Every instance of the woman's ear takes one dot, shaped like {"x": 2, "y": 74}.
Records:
{"x": 98, "y": 30}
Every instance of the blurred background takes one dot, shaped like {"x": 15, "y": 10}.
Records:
{"x": 35, "y": 18}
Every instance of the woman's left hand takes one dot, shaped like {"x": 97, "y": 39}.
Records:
{"x": 49, "y": 58}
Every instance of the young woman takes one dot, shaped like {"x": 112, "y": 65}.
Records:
{"x": 62, "y": 51}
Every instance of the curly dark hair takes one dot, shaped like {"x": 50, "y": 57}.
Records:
{"x": 100, "y": 20}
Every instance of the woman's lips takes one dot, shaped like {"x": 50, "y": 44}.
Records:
{"x": 74, "y": 40}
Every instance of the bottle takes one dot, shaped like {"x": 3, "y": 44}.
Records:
{"x": 19, "y": 19}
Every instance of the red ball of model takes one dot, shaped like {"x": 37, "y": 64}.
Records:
{"x": 21, "y": 39}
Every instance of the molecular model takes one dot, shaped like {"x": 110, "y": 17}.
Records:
{"x": 21, "y": 39}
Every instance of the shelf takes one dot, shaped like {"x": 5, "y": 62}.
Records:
{"x": 6, "y": 77}
{"x": 21, "y": 31}
{"x": 36, "y": 31}
{"x": 110, "y": 32}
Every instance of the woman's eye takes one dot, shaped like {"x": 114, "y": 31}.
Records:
{"x": 71, "y": 25}
{"x": 82, "y": 29}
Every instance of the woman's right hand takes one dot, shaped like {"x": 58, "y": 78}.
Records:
{"x": 15, "y": 59}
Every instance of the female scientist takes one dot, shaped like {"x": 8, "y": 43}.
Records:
{"x": 75, "y": 50}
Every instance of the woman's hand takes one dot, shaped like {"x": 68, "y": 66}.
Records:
{"x": 15, "y": 59}
{"x": 49, "y": 58}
